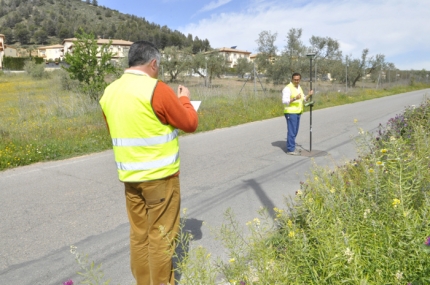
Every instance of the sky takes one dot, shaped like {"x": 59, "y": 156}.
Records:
{"x": 398, "y": 29}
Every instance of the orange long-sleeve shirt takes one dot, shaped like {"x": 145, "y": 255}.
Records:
{"x": 170, "y": 110}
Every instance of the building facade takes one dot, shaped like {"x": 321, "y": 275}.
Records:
{"x": 232, "y": 55}
{"x": 51, "y": 53}
{"x": 10, "y": 51}
{"x": 119, "y": 48}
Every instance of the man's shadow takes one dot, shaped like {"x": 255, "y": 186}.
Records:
{"x": 190, "y": 231}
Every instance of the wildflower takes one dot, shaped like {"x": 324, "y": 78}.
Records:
{"x": 184, "y": 211}
{"x": 348, "y": 253}
{"x": 242, "y": 283}
{"x": 371, "y": 170}
{"x": 256, "y": 221}
{"x": 299, "y": 192}
{"x": 291, "y": 234}
{"x": 355, "y": 121}
{"x": 384, "y": 150}
{"x": 68, "y": 282}
{"x": 379, "y": 163}
{"x": 396, "y": 202}
{"x": 73, "y": 249}
{"x": 399, "y": 275}
{"x": 248, "y": 223}
{"x": 232, "y": 260}
{"x": 332, "y": 190}
{"x": 427, "y": 242}
{"x": 366, "y": 212}
{"x": 360, "y": 131}
{"x": 290, "y": 223}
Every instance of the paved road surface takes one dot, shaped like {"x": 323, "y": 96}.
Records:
{"x": 47, "y": 207}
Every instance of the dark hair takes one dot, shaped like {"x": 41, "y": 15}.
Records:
{"x": 296, "y": 74}
{"x": 142, "y": 52}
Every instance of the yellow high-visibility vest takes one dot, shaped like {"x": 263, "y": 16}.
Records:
{"x": 295, "y": 107}
{"x": 145, "y": 149}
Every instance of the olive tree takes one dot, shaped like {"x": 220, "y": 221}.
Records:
{"x": 175, "y": 61}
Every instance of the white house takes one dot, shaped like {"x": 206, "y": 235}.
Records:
{"x": 232, "y": 54}
{"x": 2, "y": 47}
{"x": 54, "y": 52}
{"x": 119, "y": 48}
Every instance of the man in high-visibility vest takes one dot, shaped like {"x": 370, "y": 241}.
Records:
{"x": 143, "y": 115}
{"x": 293, "y": 98}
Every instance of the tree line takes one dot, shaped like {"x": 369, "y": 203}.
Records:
{"x": 326, "y": 54}
{"x": 277, "y": 66}
{"x": 43, "y": 22}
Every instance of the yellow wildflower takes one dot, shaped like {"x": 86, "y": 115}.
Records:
{"x": 355, "y": 121}
{"x": 332, "y": 190}
{"x": 371, "y": 170}
{"x": 232, "y": 260}
{"x": 290, "y": 223}
{"x": 396, "y": 202}
{"x": 291, "y": 234}
{"x": 384, "y": 150}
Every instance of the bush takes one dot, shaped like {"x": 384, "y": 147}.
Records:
{"x": 66, "y": 82}
{"x": 36, "y": 71}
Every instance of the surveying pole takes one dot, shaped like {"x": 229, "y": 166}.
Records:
{"x": 311, "y": 103}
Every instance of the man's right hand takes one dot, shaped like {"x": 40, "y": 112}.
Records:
{"x": 183, "y": 91}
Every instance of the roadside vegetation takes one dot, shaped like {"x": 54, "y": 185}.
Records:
{"x": 365, "y": 222}
{"x": 47, "y": 118}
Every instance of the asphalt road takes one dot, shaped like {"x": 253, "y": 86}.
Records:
{"x": 47, "y": 207}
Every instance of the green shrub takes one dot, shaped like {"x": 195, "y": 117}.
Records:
{"x": 36, "y": 71}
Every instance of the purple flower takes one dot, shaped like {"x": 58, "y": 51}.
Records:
{"x": 427, "y": 242}
{"x": 68, "y": 282}
{"x": 242, "y": 283}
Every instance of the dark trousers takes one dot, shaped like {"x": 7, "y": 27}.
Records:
{"x": 293, "y": 123}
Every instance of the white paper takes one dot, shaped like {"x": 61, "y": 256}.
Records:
{"x": 196, "y": 104}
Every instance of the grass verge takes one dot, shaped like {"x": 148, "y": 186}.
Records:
{"x": 41, "y": 121}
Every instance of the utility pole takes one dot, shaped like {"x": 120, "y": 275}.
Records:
{"x": 346, "y": 74}
{"x": 255, "y": 80}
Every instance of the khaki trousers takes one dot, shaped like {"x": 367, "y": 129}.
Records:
{"x": 153, "y": 211}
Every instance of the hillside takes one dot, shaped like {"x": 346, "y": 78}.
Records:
{"x": 44, "y": 22}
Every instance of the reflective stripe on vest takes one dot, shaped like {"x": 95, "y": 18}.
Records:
{"x": 132, "y": 166}
{"x": 295, "y": 107}
{"x": 144, "y": 148}
{"x": 145, "y": 141}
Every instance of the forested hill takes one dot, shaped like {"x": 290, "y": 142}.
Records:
{"x": 46, "y": 22}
